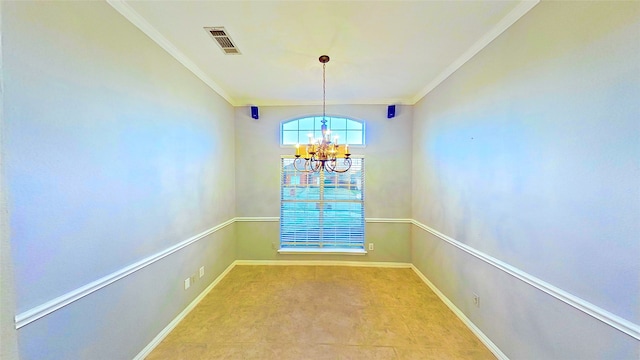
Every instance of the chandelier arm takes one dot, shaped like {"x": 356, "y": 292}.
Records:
{"x": 295, "y": 166}
{"x": 347, "y": 162}
{"x": 333, "y": 166}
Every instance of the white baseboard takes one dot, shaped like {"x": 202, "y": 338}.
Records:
{"x": 612, "y": 320}
{"x": 574, "y": 301}
{"x": 61, "y": 301}
{"x": 476, "y": 331}
{"x": 276, "y": 219}
{"x": 481, "y": 336}
{"x": 388, "y": 221}
{"x": 325, "y": 263}
{"x": 158, "y": 339}
{"x": 37, "y": 312}
{"x": 257, "y": 219}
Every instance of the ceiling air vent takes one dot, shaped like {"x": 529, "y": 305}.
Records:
{"x": 223, "y": 40}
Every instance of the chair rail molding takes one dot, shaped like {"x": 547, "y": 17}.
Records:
{"x": 584, "y": 306}
{"x": 578, "y": 303}
{"x": 61, "y": 301}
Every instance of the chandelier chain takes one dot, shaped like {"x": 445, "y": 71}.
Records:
{"x": 322, "y": 154}
{"x": 324, "y": 90}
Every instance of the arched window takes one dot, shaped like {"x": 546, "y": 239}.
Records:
{"x": 297, "y": 131}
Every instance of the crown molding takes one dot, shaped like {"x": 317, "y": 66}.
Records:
{"x": 136, "y": 19}
{"x": 506, "y": 22}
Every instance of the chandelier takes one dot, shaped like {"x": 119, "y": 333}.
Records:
{"x": 322, "y": 154}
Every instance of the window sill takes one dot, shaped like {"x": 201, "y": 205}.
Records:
{"x": 323, "y": 251}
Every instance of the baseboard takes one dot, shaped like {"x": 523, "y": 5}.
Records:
{"x": 612, "y": 320}
{"x": 37, "y": 312}
{"x": 276, "y": 219}
{"x": 50, "y": 306}
{"x": 387, "y": 220}
{"x": 325, "y": 263}
{"x": 257, "y": 219}
{"x": 576, "y": 302}
{"x": 476, "y": 331}
{"x": 158, "y": 339}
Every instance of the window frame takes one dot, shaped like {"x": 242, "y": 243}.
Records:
{"x": 324, "y": 245}
{"x": 302, "y": 133}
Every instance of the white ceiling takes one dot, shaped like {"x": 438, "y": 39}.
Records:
{"x": 382, "y": 52}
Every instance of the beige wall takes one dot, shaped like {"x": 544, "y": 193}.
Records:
{"x": 258, "y": 157}
{"x": 258, "y": 240}
{"x": 8, "y": 334}
{"x": 114, "y": 152}
{"x": 387, "y": 177}
{"x": 529, "y": 153}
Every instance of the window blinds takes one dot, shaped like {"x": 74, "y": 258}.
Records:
{"x": 322, "y": 210}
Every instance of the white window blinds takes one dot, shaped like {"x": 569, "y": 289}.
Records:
{"x": 322, "y": 210}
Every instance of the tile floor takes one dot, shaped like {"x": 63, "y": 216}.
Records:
{"x": 320, "y": 312}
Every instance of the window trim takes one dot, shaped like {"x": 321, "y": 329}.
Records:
{"x": 294, "y": 251}
{"x": 322, "y": 250}
{"x": 362, "y": 122}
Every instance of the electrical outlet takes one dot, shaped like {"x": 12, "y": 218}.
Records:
{"x": 201, "y": 271}
{"x": 187, "y": 283}
{"x": 476, "y": 300}
{"x": 371, "y": 246}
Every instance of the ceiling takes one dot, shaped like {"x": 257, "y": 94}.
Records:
{"x": 382, "y": 52}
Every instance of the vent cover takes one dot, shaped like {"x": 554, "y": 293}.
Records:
{"x": 223, "y": 40}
